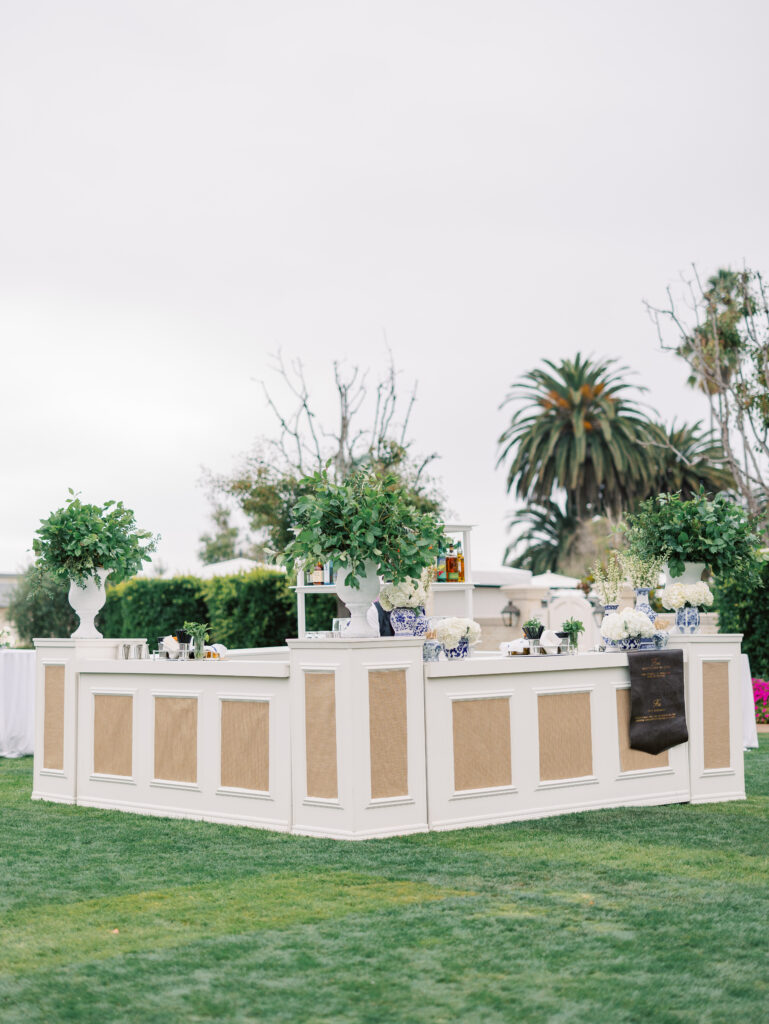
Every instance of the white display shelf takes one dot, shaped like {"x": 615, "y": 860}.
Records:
{"x": 452, "y": 529}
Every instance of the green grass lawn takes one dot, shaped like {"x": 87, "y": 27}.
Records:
{"x": 646, "y": 914}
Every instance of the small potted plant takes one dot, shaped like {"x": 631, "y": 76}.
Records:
{"x": 572, "y": 628}
{"x": 198, "y": 631}
{"x": 687, "y": 599}
{"x": 368, "y": 527}
{"x": 83, "y": 544}
{"x": 532, "y": 631}
{"x": 457, "y": 636}
{"x": 693, "y": 535}
{"x": 406, "y": 604}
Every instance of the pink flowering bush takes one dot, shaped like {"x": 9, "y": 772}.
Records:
{"x": 761, "y": 699}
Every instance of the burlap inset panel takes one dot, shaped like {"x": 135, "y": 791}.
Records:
{"x": 565, "y": 743}
{"x": 715, "y": 714}
{"x": 320, "y": 734}
{"x": 176, "y": 739}
{"x": 113, "y": 734}
{"x": 53, "y": 717}
{"x": 633, "y": 760}
{"x": 482, "y": 754}
{"x": 388, "y": 737}
{"x": 246, "y": 744}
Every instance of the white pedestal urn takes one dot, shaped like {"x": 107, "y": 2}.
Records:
{"x": 359, "y": 601}
{"x": 692, "y": 573}
{"x": 87, "y": 602}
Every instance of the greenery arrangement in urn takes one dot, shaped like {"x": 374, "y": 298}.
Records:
{"x": 716, "y": 531}
{"x": 78, "y": 539}
{"x": 363, "y": 518}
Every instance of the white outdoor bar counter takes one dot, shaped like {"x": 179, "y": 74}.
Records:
{"x": 354, "y": 739}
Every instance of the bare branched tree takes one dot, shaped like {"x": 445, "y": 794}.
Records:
{"x": 723, "y": 335}
{"x": 371, "y": 429}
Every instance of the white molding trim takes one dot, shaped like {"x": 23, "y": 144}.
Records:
{"x": 490, "y": 695}
{"x": 171, "y": 784}
{"x": 467, "y": 794}
{"x": 643, "y": 772}
{"x": 321, "y": 801}
{"x": 57, "y": 773}
{"x": 580, "y": 780}
{"x": 126, "y": 780}
{"x": 251, "y": 794}
{"x": 389, "y": 801}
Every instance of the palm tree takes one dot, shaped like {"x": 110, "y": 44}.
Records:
{"x": 548, "y": 533}
{"x": 689, "y": 457}
{"x": 577, "y": 431}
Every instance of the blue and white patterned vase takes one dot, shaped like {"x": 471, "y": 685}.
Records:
{"x": 607, "y": 610}
{"x": 630, "y": 643}
{"x": 642, "y": 603}
{"x": 420, "y": 627}
{"x": 403, "y": 621}
{"x": 431, "y": 650}
{"x": 688, "y": 619}
{"x": 460, "y": 651}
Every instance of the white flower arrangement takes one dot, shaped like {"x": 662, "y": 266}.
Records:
{"x": 409, "y": 594}
{"x": 450, "y": 631}
{"x": 609, "y": 581}
{"x": 679, "y": 595}
{"x": 627, "y": 623}
{"x": 642, "y": 572}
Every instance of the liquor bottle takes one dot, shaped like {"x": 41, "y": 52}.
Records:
{"x": 441, "y": 574}
{"x": 317, "y": 574}
{"x": 452, "y": 566}
{"x": 328, "y": 573}
{"x": 460, "y": 564}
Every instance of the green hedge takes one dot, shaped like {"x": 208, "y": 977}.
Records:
{"x": 743, "y": 608}
{"x": 256, "y": 609}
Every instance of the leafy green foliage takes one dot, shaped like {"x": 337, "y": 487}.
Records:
{"x": 39, "y": 607}
{"x": 363, "y": 518}
{"x": 716, "y": 531}
{"x": 742, "y": 604}
{"x": 77, "y": 539}
{"x": 153, "y": 607}
{"x": 573, "y": 627}
{"x": 577, "y": 431}
{"x": 255, "y": 609}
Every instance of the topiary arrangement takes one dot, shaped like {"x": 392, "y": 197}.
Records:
{"x": 364, "y": 518}
{"x": 716, "y": 531}
{"x": 77, "y": 539}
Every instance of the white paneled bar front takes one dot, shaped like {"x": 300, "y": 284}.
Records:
{"x": 355, "y": 739}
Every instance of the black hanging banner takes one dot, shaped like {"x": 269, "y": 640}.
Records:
{"x": 657, "y": 705}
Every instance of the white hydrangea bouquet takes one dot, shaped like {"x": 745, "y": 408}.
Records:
{"x": 409, "y": 594}
{"x": 626, "y": 627}
{"x": 457, "y": 636}
{"x": 686, "y": 595}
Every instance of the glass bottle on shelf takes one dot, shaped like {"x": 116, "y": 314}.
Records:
{"x": 328, "y": 573}
{"x": 441, "y": 574}
{"x": 452, "y": 565}
{"x": 460, "y": 564}
{"x": 317, "y": 574}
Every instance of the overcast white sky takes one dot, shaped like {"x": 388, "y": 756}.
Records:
{"x": 187, "y": 186}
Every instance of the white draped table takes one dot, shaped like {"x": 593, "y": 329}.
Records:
{"x": 17, "y": 703}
